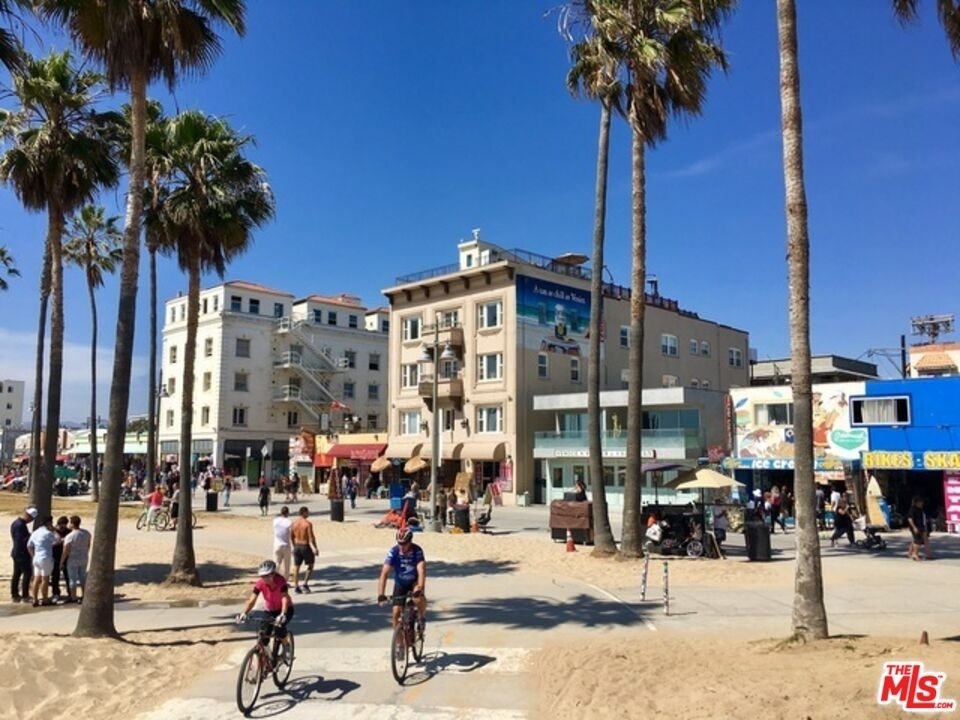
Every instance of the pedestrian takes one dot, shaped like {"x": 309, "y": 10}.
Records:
{"x": 719, "y": 521}
{"x": 154, "y": 504}
{"x": 22, "y": 562}
{"x": 227, "y": 488}
{"x": 76, "y": 555}
{"x": 174, "y": 503}
{"x": 352, "y": 489}
{"x": 40, "y": 545}
{"x": 821, "y": 509}
{"x": 59, "y": 571}
{"x": 305, "y": 549}
{"x": 775, "y": 510}
{"x": 263, "y": 497}
{"x": 919, "y": 535}
{"x": 281, "y": 541}
{"x": 842, "y": 523}
{"x": 344, "y": 481}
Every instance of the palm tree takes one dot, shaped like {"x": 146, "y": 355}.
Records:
{"x": 63, "y": 153}
{"x": 669, "y": 49}
{"x": 211, "y": 198}
{"x": 7, "y": 264}
{"x": 947, "y": 10}
{"x": 11, "y": 51}
{"x": 594, "y": 74}
{"x": 809, "y": 613}
{"x": 94, "y": 247}
{"x": 136, "y": 41}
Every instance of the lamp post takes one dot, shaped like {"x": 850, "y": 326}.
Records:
{"x": 153, "y": 431}
{"x": 427, "y": 356}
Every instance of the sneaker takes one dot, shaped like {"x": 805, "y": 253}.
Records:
{"x": 15, "y": 599}
{"x": 297, "y": 590}
{"x": 36, "y": 603}
{"x": 306, "y": 588}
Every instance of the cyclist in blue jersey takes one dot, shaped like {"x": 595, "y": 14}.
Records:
{"x": 409, "y": 567}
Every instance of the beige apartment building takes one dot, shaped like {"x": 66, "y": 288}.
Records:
{"x": 508, "y": 325}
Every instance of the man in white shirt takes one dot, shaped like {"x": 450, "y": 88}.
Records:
{"x": 76, "y": 555}
{"x": 281, "y": 541}
{"x": 40, "y": 546}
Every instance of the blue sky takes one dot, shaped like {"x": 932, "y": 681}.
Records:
{"x": 390, "y": 131}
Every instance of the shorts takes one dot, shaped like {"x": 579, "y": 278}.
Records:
{"x": 43, "y": 567}
{"x": 303, "y": 554}
{"x": 400, "y": 591}
{"x": 918, "y": 538}
{"x": 77, "y": 574}
{"x": 174, "y": 510}
{"x": 720, "y": 534}
{"x": 282, "y": 630}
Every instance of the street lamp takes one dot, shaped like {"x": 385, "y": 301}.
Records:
{"x": 431, "y": 357}
{"x": 153, "y": 431}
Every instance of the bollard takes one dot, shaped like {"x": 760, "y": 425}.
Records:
{"x": 643, "y": 577}
{"x": 666, "y": 589}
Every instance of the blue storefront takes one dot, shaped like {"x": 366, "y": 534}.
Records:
{"x": 914, "y": 438}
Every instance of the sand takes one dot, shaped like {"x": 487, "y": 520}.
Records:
{"x": 641, "y": 674}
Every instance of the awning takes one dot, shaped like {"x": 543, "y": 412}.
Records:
{"x": 322, "y": 460}
{"x": 662, "y": 465}
{"x": 404, "y": 449}
{"x": 936, "y": 361}
{"x": 357, "y": 451}
{"x": 484, "y": 451}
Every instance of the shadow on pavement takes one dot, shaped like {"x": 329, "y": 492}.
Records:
{"x": 152, "y": 572}
{"x": 276, "y": 702}
{"x": 436, "y": 568}
{"x": 532, "y": 613}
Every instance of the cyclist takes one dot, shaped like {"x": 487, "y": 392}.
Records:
{"x": 276, "y": 597}
{"x": 154, "y": 503}
{"x": 407, "y": 561}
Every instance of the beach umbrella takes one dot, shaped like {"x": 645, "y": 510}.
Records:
{"x": 414, "y": 464}
{"x": 380, "y": 464}
{"x": 705, "y": 479}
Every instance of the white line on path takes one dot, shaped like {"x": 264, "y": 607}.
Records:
{"x": 649, "y": 625}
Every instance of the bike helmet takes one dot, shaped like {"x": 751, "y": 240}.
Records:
{"x": 267, "y": 567}
{"x": 404, "y": 535}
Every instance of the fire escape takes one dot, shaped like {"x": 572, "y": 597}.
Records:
{"x": 303, "y": 370}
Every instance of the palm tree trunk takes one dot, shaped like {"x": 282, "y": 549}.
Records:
{"x": 96, "y": 614}
{"x": 51, "y": 440}
{"x": 94, "y": 458}
{"x": 631, "y": 543}
{"x": 152, "y": 400}
{"x": 809, "y": 613}
{"x": 36, "y": 434}
{"x": 184, "y": 568}
{"x": 603, "y": 542}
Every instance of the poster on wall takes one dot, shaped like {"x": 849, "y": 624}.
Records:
{"x": 505, "y": 482}
{"x": 555, "y": 317}
{"x": 951, "y": 500}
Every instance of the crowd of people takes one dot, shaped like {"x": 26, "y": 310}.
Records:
{"x": 50, "y": 560}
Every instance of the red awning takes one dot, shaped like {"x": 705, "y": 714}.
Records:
{"x": 322, "y": 460}
{"x": 358, "y": 451}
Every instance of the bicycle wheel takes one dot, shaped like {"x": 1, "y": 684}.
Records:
{"x": 694, "y": 549}
{"x": 142, "y": 520}
{"x": 399, "y": 658}
{"x": 283, "y": 662}
{"x": 162, "y": 519}
{"x": 417, "y": 645}
{"x": 249, "y": 680}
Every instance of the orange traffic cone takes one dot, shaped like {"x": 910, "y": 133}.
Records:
{"x": 571, "y": 546}
{"x": 924, "y": 638}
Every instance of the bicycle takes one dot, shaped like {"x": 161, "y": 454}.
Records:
{"x": 407, "y": 637}
{"x": 161, "y": 519}
{"x": 261, "y": 661}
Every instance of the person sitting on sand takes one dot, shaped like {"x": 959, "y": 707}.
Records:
{"x": 407, "y": 512}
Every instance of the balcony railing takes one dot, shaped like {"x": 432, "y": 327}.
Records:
{"x": 668, "y": 443}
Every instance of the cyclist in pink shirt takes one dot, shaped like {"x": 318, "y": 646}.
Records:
{"x": 276, "y": 596}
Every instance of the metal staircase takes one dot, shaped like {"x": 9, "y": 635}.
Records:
{"x": 304, "y": 361}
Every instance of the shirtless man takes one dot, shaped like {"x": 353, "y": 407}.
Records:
{"x": 304, "y": 549}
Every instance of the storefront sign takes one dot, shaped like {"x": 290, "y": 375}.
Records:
{"x": 951, "y": 500}
{"x": 906, "y": 460}
{"x": 607, "y": 453}
{"x": 820, "y": 464}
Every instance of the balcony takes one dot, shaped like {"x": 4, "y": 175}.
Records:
{"x": 451, "y": 335}
{"x": 675, "y": 443}
{"x": 449, "y": 389}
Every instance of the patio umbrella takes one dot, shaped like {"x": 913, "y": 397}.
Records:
{"x": 659, "y": 467}
{"x": 413, "y": 464}
{"x": 380, "y": 464}
{"x": 705, "y": 478}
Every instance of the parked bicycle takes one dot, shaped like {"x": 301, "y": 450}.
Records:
{"x": 407, "y": 637}
{"x": 263, "y": 659}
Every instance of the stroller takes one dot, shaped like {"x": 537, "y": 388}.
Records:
{"x": 872, "y": 540}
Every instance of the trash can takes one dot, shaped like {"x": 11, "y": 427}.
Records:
{"x": 212, "y": 498}
{"x": 757, "y": 536}
{"x": 336, "y": 509}
{"x": 62, "y": 488}
{"x": 461, "y": 518}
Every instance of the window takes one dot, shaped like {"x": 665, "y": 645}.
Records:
{"x": 773, "y": 414}
{"x": 447, "y": 418}
{"x": 409, "y": 422}
{"x": 385, "y": 326}
{"x": 205, "y": 415}
{"x": 669, "y": 345}
{"x": 171, "y": 386}
{"x": 173, "y": 354}
{"x": 450, "y": 319}
{"x": 278, "y": 310}
{"x": 240, "y": 383}
{"x": 409, "y": 375}
{"x": 236, "y": 303}
{"x": 208, "y": 347}
{"x": 490, "y": 314}
{"x": 373, "y": 421}
{"x": 173, "y": 314}
{"x": 694, "y": 347}
{"x": 735, "y": 357}
{"x": 254, "y": 306}
{"x": 353, "y": 321}
{"x": 705, "y": 348}
{"x": 351, "y": 358}
{"x": 331, "y": 317}
{"x": 373, "y": 391}
{"x": 183, "y": 312}
{"x": 490, "y": 419}
{"x": 880, "y": 411}
{"x": 411, "y": 328}
{"x": 317, "y": 316}
{"x": 204, "y": 306}
{"x": 669, "y": 381}
{"x": 207, "y": 381}
{"x": 349, "y": 390}
{"x": 216, "y": 303}
{"x": 543, "y": 366}
{"x": 293, "y": 418}
{"x": 374, "y": 362}
{"x": 574, "y": 370}
{"x": 243, "y": 347}
{"x": 694, "y": 383}
{"x": 490, "y": 366}
{"x": 239, "y": 416}
{"x": 169, "y": 418}
{"x": 624, "y": 336}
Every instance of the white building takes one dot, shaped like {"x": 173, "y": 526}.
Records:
{"x": 11, "y": 415}
{"x": 267, "y": 366}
